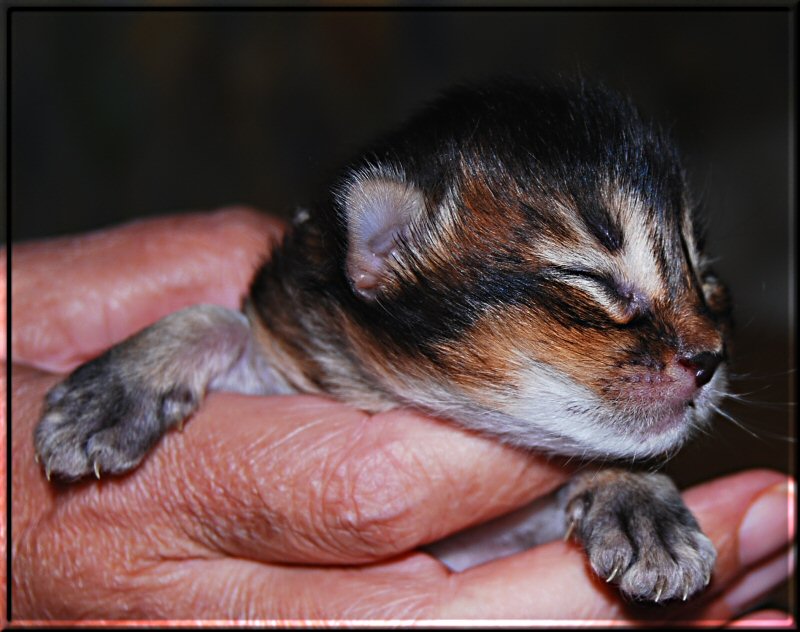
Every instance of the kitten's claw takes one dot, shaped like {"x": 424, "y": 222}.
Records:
{"x": 613, "y": 573}
{"x": 570, "y": 529}
{"x": 97, "y": 470}
{"x": 36, "y": 458}
{"x": 47, "y": 471}
{"x": 659, "y": 589}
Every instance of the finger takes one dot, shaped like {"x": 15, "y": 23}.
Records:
{"x": 763, "y": 500}
{"x": 73, "y": 297}
{"x": 750, "y": 589}
{"x": 30, "y": 493}
{"x": 404, "y": 589}
{"x": 558, "y": 580}
{"x": 308, "y": 480}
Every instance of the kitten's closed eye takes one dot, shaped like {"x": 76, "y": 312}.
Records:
{"x": 619, "y": 299}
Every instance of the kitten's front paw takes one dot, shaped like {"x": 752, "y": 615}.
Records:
{"x": 639, "y": 534}
{"x": 104, "y": 417}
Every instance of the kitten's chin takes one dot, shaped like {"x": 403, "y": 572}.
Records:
{"x": 665, "y": 433}
{"x": 558, "y": 415}
{"x": 661, "y": 430}
{"x": 597, "y": 435}
{"x": 663, "y": 437}
{"x": 663, "y": 426}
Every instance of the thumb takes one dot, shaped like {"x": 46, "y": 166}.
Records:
{"x": 72, "y": 297}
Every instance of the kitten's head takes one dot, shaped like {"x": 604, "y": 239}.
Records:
{"x": 526, "y": 260}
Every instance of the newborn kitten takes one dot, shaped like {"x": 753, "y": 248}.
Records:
{"x": 523, "y": 260}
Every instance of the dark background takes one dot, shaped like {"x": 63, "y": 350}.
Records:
{"x": 120, "y": 114}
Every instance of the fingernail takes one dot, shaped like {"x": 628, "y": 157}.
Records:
{"x": 768, "y": 525}
{"x": 758, "y": 584}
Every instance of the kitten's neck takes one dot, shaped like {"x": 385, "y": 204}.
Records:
{"x": 297, "y": 319}
{"x": 288, "y": 365}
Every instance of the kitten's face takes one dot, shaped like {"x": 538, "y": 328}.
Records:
{"x": 539, "y": 278}
{"x": 596, "y": 334}
{"x": 606, "y": 331}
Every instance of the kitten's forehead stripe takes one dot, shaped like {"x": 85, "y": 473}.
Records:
{"x": 602, "y": 225}
{"x": 639, "y": 257}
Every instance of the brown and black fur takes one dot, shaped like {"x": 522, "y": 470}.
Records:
{"x": 522, "y": 259}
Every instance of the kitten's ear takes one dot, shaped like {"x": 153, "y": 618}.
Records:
{"x": 379, "y": 210}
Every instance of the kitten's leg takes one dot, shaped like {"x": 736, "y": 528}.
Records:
{"x": 536, "y": 523}
{"x": 638, "y": 533}
{"x": 634, "y": 526}
{"x": 107, "y": 413}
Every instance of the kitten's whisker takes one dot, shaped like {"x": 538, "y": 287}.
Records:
{"x": 735, "y": 421}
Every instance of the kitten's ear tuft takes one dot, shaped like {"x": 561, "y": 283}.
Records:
{"x": 379, "y": 210}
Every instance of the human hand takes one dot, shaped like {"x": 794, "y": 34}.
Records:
{"x": 292, "y": 507}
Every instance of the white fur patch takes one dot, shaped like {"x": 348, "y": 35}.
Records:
{"x": 553, "y": 412}
{"x": 636, "y": 263}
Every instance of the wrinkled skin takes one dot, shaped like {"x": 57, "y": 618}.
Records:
{"x": 292, "y": 507}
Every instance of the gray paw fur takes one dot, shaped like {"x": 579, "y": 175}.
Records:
{"x": 104, "y": 418}
{"x": 639, "y": 534}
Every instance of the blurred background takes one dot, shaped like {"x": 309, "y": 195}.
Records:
{"x": 117, "y": 115}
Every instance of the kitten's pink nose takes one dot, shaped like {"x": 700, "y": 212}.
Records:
{"x": 702, "y": 365}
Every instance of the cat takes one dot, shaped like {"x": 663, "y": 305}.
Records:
{"x": 523, "y": 259}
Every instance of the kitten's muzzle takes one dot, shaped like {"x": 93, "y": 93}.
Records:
{"x": 674, "y": 385}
